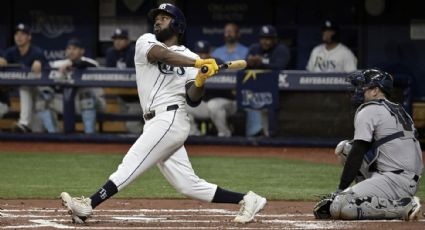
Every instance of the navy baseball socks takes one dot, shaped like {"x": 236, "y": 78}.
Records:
{"x": 104, "y": 193}
{"x": 225, "y": 196}
{"x": 110, "y": 189}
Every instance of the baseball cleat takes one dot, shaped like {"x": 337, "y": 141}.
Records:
{"x": 415, "y": 212}
{"x": 79, "y": 208}
{"x": 250, "y": 205}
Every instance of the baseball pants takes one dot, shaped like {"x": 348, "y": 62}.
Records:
{"x": 161, "y": 144}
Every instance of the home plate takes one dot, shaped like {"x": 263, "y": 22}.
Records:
{"x": 139, "y": 218}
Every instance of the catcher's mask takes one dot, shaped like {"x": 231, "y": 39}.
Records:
{"x": 368, "y": 79}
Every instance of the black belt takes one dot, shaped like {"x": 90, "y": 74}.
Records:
{"x": 151, "y": 114}
{"x": 415, "y": 178}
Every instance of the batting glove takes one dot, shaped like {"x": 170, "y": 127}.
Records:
{"x": 211, "y": 66}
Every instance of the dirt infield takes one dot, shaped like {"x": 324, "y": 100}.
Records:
{"x": 177, "y": 214}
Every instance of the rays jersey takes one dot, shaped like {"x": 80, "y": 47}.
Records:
{"x": 338, "y": 59}
{"x": 160, "y": 85}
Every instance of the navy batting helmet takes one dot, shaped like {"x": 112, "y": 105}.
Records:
{"x": 178, "y": 23}
{"x": 370, "y": 78}
{"x": 330, "y": 25}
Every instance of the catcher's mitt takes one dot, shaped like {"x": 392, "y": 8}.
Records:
{"x": 322, "y": 208}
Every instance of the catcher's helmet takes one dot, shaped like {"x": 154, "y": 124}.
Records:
{"x": 178, "y": 23}
{"x": 370, "y": 78}
{"x": 330, "y": 25}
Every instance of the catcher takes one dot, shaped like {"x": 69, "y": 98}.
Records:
{"x": 384, "y": 158}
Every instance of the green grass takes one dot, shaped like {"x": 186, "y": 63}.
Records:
{"x": 45, "y": 175}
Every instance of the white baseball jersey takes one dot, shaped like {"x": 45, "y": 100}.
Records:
{"x": 161, "y": 142}
{"x": 160, "y": 85}
{"x": 338, "y": 59}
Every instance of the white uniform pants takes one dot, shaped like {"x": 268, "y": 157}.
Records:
{"x": 161, "y": 143}
{"x": 26, "y": 99}
{"x": 218, "y": 110}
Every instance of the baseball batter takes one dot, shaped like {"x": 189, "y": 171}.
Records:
{"x": 166, "y": 80}
{"x": 385, "y": 158}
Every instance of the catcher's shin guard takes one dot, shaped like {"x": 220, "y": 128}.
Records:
{"x": 350, "y": 207}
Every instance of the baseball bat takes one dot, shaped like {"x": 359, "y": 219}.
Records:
{"x": 235, "y": 65}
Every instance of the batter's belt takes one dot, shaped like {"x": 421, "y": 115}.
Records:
{"x": 151, "y": 114}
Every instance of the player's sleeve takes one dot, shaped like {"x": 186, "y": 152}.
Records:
{"x": 365, "y": 123}
{"x": 143, "y": 45}
{"x": 251, "y": 51}
{"x": 39, "y": 56}
{"x": 216, "y": 53}
{"x": 130, "y": 57}
{"x": 279, "y": 59}
{"x": 110, "y": 60}
{"x": 8, "y": 56}
{"x": 310, "y": 63}
{"x": 85, "y": 62}
{"x": 191, "y": 73}
{"x": 350, "y": 62}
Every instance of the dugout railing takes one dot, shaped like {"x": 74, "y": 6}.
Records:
{"x": 314, "y": 108}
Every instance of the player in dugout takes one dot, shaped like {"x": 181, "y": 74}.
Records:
{"x": 29, "y": 56}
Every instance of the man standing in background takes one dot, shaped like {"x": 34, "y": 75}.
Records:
{"x": 331, "y": 55}
{"x": 232, "y": 49}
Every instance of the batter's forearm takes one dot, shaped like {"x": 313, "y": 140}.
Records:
{"x": 163, "y": 55}
{"x": 195, "y": 93}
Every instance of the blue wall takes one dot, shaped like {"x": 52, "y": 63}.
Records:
{"x": 5, "y": 24}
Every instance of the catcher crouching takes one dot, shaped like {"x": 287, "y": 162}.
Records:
{"x": 384, "y": 158}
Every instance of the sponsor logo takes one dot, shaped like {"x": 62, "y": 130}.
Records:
{"x": 108, "y": 77}
{"x": 54, "y": 54}
{"x": 316, "y": 80}
{"x": 283, "y": 81}
{"x": 19, "y": 76}
{"x": 222, "y": 79}
{"x": 51, "y": 26}
{"x": 256, "y": 100}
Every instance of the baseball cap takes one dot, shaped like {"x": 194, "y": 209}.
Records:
{"x": 268, "y": 31}
{"x": 75, "y": 42}
{"x": 329, "y": 25}
{"x": 202, "y": 46}
{"x": 22, "y": 27}
{"x": 120, "y": 33}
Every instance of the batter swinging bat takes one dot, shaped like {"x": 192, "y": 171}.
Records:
{"x": 235, "y": 65}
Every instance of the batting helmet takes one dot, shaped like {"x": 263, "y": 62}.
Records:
{"x": 329, "y": 25}
{"x": 178, "y": 23}
{"x": 370, "y": 78}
